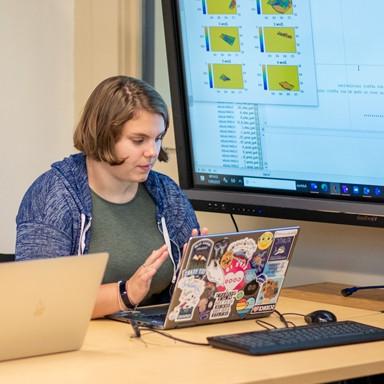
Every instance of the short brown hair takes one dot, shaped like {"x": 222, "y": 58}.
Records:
{"x": 113, "y": 102}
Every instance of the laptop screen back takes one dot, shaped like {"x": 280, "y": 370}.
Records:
{"x": 231, "y": 276}
{"x": 46, "y": 304}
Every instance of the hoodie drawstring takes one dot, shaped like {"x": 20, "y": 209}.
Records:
{"x": 167, "y": 240}
{"x": 83, "y": 231}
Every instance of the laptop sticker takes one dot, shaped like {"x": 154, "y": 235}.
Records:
{"x": 215, "y": 273}
{"x": 265, "y": 240}
{"x": 260, "y": 256}
{"x": 281, "y": 248}
{"x": 251, "y": 288}
{"x": 198, "y": 258}
{"x": 191, "y": 290}
{"x": 226, "y": 260}
{"x": 219, "y": 248}
{"x": 223, "y": 304}
{"x": 276, "y": 268}
{"x": 244, "y": 306}
{"x": 206, "y": 301}
{"x": 269, "y": 291}
{"x": 238, "y": 255}
{"x": 242, "y": 251}
{"x": 282, "y": 245}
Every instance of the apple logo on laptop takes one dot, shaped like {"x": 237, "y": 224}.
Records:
{"x": 39, "y": 309}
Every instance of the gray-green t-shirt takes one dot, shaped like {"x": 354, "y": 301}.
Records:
{"x": 129, "y": 233}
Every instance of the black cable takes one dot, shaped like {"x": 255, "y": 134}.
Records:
{"x": 282, "y": 315}
{"x": 287, "y": 323}
{"x": 176, "y": 338}
{"x": 137, "y": 328}
{"x": 292, "y": 314}
{"x": 292, "y": 323}
{"x": 283, "y": 319}
{"x": 350, "y": 290}
{"x": 264, "y": 324}
{"x": 234, "y": 222}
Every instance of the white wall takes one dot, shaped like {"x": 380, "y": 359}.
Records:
{"x": 36, "y": 98}
{"x": 324, "y": 252}
{"x": 54, "y": 52}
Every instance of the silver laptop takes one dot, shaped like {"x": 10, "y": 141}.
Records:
{"x": 46, "y": 304}
{"x": 224, "y": 277}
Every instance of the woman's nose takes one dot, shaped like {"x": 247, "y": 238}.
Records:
{"x": 151, "y": 150}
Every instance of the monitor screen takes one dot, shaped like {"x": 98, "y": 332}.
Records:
{"x": 278, "y": 107}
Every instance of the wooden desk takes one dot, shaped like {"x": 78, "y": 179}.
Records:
{"x": 329, "y": 293}
{"x": 110, "y": 355}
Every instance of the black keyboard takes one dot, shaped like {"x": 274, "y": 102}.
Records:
{"x": 298, "y": 338}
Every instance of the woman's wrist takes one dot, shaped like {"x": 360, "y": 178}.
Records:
{"x": 124, "y": 299}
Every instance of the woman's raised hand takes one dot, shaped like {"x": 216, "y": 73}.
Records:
{"x": 138, "y": 285}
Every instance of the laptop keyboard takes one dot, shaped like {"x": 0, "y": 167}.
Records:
{"x": 151, "y": 315}
{"x": 298, "y": 338}
{"x": 157, "y": 318}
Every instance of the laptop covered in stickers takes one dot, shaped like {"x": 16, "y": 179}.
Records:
{"x": 224, "y": 277}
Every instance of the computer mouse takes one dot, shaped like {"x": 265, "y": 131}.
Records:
{"x": 320, "y": 316}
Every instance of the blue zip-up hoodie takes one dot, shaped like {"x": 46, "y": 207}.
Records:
{"x": 56, "y": 212}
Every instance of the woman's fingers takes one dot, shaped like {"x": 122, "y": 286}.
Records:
{"x": 160, "y": 260}
{"x": 204, "y": 231}
{"x": 195, "y": 232}
{"x": 152, "y": 267}
{"x": 155, "y": 255}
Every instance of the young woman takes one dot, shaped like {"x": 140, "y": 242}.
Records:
{"x": 108, "y": 198}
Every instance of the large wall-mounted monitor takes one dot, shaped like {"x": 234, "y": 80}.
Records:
{"x": 278, "y": 107}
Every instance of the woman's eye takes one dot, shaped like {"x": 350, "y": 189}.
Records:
{"x": 137, "y": 141}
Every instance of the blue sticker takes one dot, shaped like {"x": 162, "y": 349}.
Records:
{"x": 281, "y": 248}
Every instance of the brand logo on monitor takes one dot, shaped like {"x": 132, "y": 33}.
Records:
{"x": 372, "y": 219}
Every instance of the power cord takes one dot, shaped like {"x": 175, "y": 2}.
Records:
{"x": 234, "y": 222}
{"x": 137, "y": 333}
{"x": 262, "y": 323}
{"x": 287, "y": 323}
{"x": 265, "y": 324}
